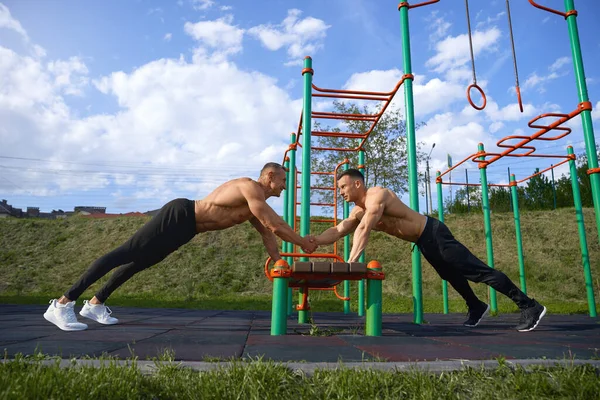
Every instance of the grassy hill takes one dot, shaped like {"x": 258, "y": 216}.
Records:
{"x": 40, "y": 259}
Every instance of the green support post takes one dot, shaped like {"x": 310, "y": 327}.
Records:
{"x": 286, "y": 165}
{"x": 361, "y": 283}
{"x": 374, "y": 300}
{"x": 291, "y": 196}
{"x": 413, "y": 183}
{"x": 586, "y": 115}
{"x": 307, "y": 74}
{"x": 485, "y": 201}
{"x": 585, "y": 258}
{"x": 287, "y": 219}
{"x": 346, "y": 253}
{"x": 280, "y": 273}
{"x": 517, "y": 215}
{"x": 441, "y": 217}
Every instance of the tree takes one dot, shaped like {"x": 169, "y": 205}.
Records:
{"x": 461, "y": 203}
{"x": 538, "y": 193}
{"x": 386, "y": 156}
{"x": 500, "y": 199}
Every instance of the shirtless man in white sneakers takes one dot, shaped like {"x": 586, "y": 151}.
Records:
{"x": 176, "y": 223}
{"x": 380, "y": 209}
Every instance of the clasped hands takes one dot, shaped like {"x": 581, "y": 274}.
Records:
{"x": 309, "y": 244}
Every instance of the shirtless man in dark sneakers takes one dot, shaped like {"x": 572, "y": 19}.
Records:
{"x": 381, "y": 210}
{"x": 176, "y": 223}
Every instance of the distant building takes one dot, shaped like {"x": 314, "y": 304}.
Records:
{"x": 85, "y": 210}
{"x": 6, "y": 210}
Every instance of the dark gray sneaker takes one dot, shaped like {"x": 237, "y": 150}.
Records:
{"x": 476, "y": 315}
{"x": 530, "y": 317}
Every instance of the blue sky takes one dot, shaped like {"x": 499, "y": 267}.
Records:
{"x": 128, "y": 104}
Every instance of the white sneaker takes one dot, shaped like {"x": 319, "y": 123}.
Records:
{"x": 63, "y": 316}
{"x": 98, "y": 312}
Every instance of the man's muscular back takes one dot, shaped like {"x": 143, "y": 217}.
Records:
{"x": 398, "y": 219}
{"x": 225, "y": 207}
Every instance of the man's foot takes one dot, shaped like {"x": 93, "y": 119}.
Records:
{"x": 63, "y": 316}
{"x": 476, "y": 315}
{"x": 97, "y": 312}
{"x": 530, "y": 317}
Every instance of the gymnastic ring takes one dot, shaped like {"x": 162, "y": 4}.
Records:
{"x": 474, "y": 85}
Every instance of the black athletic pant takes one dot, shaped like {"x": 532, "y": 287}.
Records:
{"x": 456, "y": 264}
{"x": 172, "y": 227}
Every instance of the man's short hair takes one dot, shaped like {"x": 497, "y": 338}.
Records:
{"x": 352, "y": 173}
{"x": 269, "y": 166}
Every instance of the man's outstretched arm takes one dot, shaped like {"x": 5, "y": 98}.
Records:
{"x": 373, "y": 211}
{"x": 268, "y": 238}
{"x": 335, "y": 233}
{"x": 273, "y": 222}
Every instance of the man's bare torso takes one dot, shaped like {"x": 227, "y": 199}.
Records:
{"x": 398, "y": 219}
{"x": 224, "y": 207}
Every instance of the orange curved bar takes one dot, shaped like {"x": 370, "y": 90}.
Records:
{"x": 359, "y": 92}
{"x": 593, "y": 171}
{"x": 543, "y": 129}
{"x": 349, "y": 96}
{"x": 334, "y": 148}
{"x": 475, "y": 86}
{"x": 425, "y": 3}
{"x": 533, "y": 3}
{"x": 346, "y": 135}
{"x": 296, "y": 255}
{"x": 519, "y": 98}
{"x": 338, "y": 296}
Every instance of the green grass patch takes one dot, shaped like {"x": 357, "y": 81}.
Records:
{"x": 41, "y": 259}
{"x": 28, "y": 377}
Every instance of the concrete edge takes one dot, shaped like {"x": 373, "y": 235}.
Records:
{"x": 436, "y": 367}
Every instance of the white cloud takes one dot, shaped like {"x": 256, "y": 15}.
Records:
{"x": 70, "y": 75}
{"x": 218, "y": 35}
{"x": 490, "y": 20}
{"x": 453, "y": 52}
{"x": 206, "y": 116}
{"x": 8, "y": 22}
{"x": 496, "y": 126}
{"x": 168, "y": 37}
{"x": 438, "y": 26}
{"x": 301, "y": 37}
{"x": 202, "y": 4}
{"x": 559, "y": 63}
{"x": 556, "y": 70}
{"x": 226, "y": 8}
{"x": 510, "y": 112}
{"x": 430, "y": 96}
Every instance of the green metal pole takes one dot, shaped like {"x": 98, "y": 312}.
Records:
{"x": 346, "y": 253}
{"x": 485, "y": 201}
{"x": 361, "y": 283}
{"x": 441, "y": 218}
{"x": 515, "y": 202}
{"x": 374, "y": 306}
{"x": 307, "y": 74}
{"x": 291, "y": 195}
{"x": 586, "y": 116}
{"x": 585, "y": 258}
{"x": 286, "y": 165}
{"x": 287, "y": 219}
{"x": 279, "y": 306}
{"x": 413, "y": 183}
